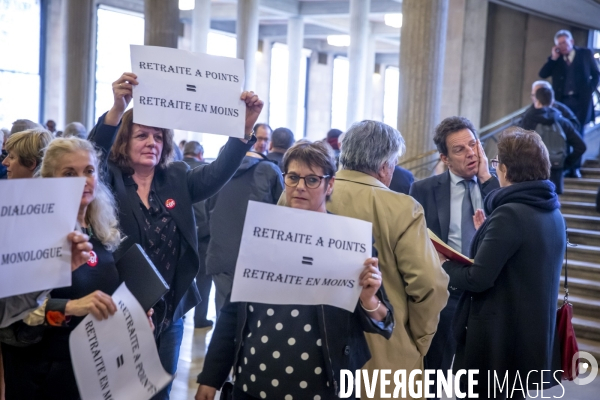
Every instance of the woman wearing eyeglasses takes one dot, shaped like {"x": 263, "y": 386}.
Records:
{"x": 505, "y": 322}
{"x": 306, "y": 346}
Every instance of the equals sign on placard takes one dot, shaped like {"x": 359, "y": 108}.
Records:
{"x": 307, "y": 260}
{"x": 120, "y": 361}
{"x": 190, "y": 88}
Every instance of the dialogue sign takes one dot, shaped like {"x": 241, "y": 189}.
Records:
{"x": 36, "y": 215}
{"x": 189, "y": 91}
{"x": 291, "y": 256}
{"x": 117, "y": 358}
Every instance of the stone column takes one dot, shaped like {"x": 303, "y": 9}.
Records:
{"x": 79, "y": 52}
{"x": 369, "y": 77}
{"x": 54, "y": 68}
{"x": 247, "y": 38}
{"x": 162, "y": 26}
{"x": 295, "y": 43}
{"x": 423, "y": 38}
{"x": 263, "y": 78}
{"x": 357, "y": 57}
{"x": 200, "y": 25}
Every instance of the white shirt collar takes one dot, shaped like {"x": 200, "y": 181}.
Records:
{"x": 455, "y": 179}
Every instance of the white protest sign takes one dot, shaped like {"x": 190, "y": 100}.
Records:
{"x": 196, "y": 92}
{"x": 36, "y": 215}
{"x": 291, "y": 256}
{"x": 116, "y": 358}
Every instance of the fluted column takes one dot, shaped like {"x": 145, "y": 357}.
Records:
{"x": 357, "y": 57}
{"x": 247, "y": 38}
{"x": 422, "y": 44}
{"x": 295, "y": 43}
{"x": 80, "y": 52}
{"x": 200, "y": 25}
{"x": 161, "y": 27}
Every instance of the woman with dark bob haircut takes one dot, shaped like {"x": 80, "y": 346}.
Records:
{"x": 296, "y": 351}
{"x": 505, "y": 322}
{"x": 154, "y": 200}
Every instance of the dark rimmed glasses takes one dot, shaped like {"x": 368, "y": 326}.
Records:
{"x": 310, "y": 181}
{"x": 494, "y": 163}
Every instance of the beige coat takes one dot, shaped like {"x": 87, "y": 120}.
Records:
{"x": 413, "y": 278}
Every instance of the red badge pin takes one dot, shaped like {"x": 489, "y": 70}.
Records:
{"x": 93, "y": 261}
{"x": 170, "y": 203}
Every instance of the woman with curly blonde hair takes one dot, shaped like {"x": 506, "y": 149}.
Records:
{"x": 43, "y": 370}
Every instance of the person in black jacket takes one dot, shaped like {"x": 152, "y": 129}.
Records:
{"x": 256, "y": 179}
{"x": 296, "y": 351}
{"x": 505, "y": 321}
{"x": 155, "y": 201}
{"x": 193, "y": 155}
{"x": 574, "y": 75}
{"x": 544, "y": 114}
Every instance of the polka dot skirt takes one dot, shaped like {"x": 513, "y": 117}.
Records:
{"x": 282, "y": 355}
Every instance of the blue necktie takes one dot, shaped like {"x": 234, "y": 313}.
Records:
{"x": 467, "y": 227}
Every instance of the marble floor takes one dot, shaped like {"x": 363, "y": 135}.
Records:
{"x": 195, "y": 343}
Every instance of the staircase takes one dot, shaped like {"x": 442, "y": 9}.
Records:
{"x": 583, "y": 222}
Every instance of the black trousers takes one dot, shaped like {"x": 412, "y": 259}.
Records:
{"x": 29, "y": 375}
{"x": 203, "y": 283}
{"x": 443, "y": 346}
{"x": 557, "y": 177}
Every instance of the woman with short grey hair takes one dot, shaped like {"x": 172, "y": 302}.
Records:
{"x": 373, "y": 148}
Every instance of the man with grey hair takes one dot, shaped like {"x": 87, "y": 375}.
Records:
{"x": 574, "y": 75}
{"x": 75, "y": 129}
{"x": 414, "y": 280}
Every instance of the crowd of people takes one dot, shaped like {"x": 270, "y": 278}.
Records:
{"x": 417, "y": 309}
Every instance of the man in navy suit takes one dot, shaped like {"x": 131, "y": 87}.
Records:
{"x": 449, "y": 201}
{"x": 402, "y": 180}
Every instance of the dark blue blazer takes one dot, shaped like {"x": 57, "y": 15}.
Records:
{"x": 186, "y": 186}
{"x": 402, "y": 179}
{"x": 433, "y": 194}
{"x": 586, "y": 77}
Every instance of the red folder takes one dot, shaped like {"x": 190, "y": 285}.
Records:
{"x": 448, "y": 251}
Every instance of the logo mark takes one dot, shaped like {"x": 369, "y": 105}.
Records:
{"x": 93, "y": 261}
{"x": 190, "y": 88}
{"x": 307, "y": 260}
{"x": 170, "y": 203}
{"x": 589, "y": 359}
{"x": 120, "y": 361}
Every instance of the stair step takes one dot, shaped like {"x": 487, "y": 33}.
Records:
{"x": 583, "y": 270}
{"x": 590, "y": 346}
{"x": 582, "y": 286}
{"x": 591, "y": 173}
{"x": 587, "y": 328}
{"x": 579, "y": 208}
{"x": 583, "y": 306}
{"x": 584, "y": 236}
{"x": 585, "y": 253}
{"x": 582, "y": 221}
{"x": 588, "y": 196}
{"x": 582, "y": 183}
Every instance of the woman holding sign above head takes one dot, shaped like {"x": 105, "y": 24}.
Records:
{"x": 155, "y": 198}
{"x": 42, "y": 369}
{"x": 296, "y": 351}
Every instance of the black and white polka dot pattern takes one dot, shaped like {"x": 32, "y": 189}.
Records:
{"x": 282, "y": 356}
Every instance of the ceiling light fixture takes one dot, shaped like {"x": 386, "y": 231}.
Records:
{"x": 187, "y": 4}
{"x": 338, "y": 40}
{"x": 393, "y": 20}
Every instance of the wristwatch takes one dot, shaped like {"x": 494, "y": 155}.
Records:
{"x": 249, "y": 136}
